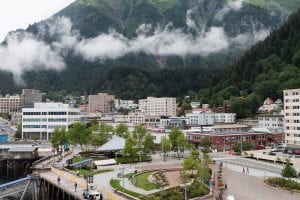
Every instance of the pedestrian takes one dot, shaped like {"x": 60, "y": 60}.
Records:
{"x": 58, "y": 180}
{"x": 225, "y": 186}
{"x": 244, "y": 170}
{"x": 75, "y": 185}
{"x": 247, "y": 170}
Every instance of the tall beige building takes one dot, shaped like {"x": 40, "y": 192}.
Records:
{"x": 152, "y": 106}
{"x": 292, "y": 116}
{"x": 101, "y": 102}
{"x": 9, "y": 104}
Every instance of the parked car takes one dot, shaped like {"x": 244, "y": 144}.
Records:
{"x": 297, "y": 151}
{"x": 92, "y": 195}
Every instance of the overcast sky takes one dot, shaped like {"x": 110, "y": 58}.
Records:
{"x": 16, "y": 14}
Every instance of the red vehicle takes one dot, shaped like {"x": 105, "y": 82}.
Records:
{"x": 259, "y": 147}
{"x": 297, "y": 151}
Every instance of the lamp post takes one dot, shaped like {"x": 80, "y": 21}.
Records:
{"x": 242, "y": 147}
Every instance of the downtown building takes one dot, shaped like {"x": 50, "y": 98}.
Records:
{"x": 292, "y": 117}
{"x": 30, "y": 96}
{"x": 40, "y": 121}
{"x": 102, "y": 102}
{"x": 164, "y": 106}
{"x": 10, "y": 104}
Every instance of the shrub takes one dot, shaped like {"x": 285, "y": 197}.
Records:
{"x": 198, "y": 189}
{"x": 283, "y": 183}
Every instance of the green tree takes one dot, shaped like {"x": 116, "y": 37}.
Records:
{"x": 205, "y": 143}
{"x": 190, "y": 163}
{"x": 130, "y": 147}
{"x": 59, "y": 138}
{"x": 181, "y": 143}
{"x": 98, "y": 136}
{"x": 288, "y": 171}
{"x": 175, "y": 132}
{"x": 121, "y": 130}
{"x": 165, "y": 145}
{"x": 18, "y": 133}
{"x": 138, "y": 135}
{"x": 245, "y": 145}
{"x": 79, "y": 134}
{"x": 149, "y": 145}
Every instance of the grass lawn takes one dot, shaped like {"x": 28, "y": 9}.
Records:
{"x": 142, "y": 181}
{"x": 128, "y": 175}
{"x": 116, "y": 185}
{"x": 88, "y": 172}
{"x": 79, "y": 158}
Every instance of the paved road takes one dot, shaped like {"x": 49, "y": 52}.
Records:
{"x": 246, "y": 162}
{"x": 247, "y": 187}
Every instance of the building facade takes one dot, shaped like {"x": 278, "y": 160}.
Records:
{"x": 292, "y": 116}
{"x": 30, "y": 96}
{"x": 224, "y": 118}
{"x": 9, "y": 104}
{"x": 272, "y": 122}
{"x": 101, "y": 102}
{"x": 125, "y": 104}
{"x": 41, "y": 120}
{"x": 200, "y": 118}
{"x": 226, "y": 141}
{"x": 164, "y": 106}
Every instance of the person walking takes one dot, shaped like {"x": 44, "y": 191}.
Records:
{"x": 58, "y": 180}
{"x": 247, "y": 170}
{"x": 244, "y": 170}
{"x": 75, "y": 186}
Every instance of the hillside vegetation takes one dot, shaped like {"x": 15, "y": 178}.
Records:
{"x": 264, "y": 71}
{"x": 140, "y": 73}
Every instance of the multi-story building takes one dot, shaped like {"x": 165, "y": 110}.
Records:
{"x": 9, "y": 104}
{"x": 173, "y": 122}
{"x": 200, "y": 118}
{"x": 30, "y": 96}
{"x": 164, "y": 106}
{"x": 224, "y": 118}
{"x": 273, "y": 122}
{"x": 126, "y": 104}
{"x": 134, "y": 118}
{"x": 40, "y": 121}
{"x": 101, "y": 102}
{"x": 292, "y": 116}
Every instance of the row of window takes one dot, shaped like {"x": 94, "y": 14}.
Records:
{"x": 50, "y": 113}
{"x": 44, "y": 126}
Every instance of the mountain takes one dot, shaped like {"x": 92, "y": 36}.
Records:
{"x": 136, "y": 48}
{"x": 264, "y": 71}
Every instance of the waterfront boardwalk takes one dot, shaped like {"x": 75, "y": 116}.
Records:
{"x": 65, "y": 184}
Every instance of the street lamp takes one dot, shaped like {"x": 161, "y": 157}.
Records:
{"x": 185, "y": 190}
{"x": 242, "y": 147}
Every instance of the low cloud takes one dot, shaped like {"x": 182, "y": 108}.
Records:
{"x": 24, "y": 52}
{"x": 229, "y": 5}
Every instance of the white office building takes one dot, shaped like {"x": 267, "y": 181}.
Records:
{"x": 292, "y": 116}
{"x": 199, "y": 118}
{"x": 164, "y": 106}
{"x": 224, "y": 118}
{"x": 41, "y": 120}
{"x": 272, "y": 122}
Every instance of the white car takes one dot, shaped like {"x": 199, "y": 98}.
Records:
{"x": 230, "y": 197}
